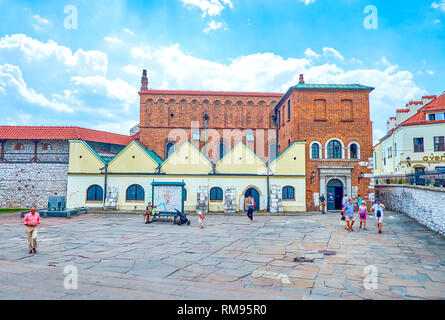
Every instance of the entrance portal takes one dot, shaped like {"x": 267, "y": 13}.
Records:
{"x": 256, "y": 197}
{"x": 334, "y": 194}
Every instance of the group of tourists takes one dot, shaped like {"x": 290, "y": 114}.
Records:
{"x": 349, "y": 208}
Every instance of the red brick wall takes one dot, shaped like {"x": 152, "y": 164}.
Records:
{"x": 160, "y": 114}
{"x": 308, "y": 123}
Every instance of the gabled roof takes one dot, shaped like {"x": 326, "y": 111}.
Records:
{"x": 151, "y": 153}
{"x": 62, "y": 133}
{"x": 437, "y": 104}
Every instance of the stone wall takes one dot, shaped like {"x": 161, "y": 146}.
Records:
{"x": 23, "y": 185}
{"x": 424, "y": 204}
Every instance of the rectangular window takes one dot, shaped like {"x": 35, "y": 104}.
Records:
{"x": 418, "y": 145}
{"x": 439, "y": 144}
{"x": 288, "y": 110}
{"x": 249, "y": 135}
{"x": 389, "y": 153}
{"x": 440, "y": 169}
{"x": 431, "y": 117}
{"x": 196, "y": 135}
{"x": 284, "y": 113}
{"x": 440, "y": 116}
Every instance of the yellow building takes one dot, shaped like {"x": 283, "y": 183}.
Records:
{"x": 128, "y": 178}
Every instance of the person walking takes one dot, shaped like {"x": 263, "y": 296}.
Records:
{"x": 201, "y": 220}
{"x": 31, "y": 221}
{"x": 363, "y": 214}
{"x": 343, "y": 203}
{"x": 251, "y": 205}
{"x": 323, "y": 203}
{"x": 378, "y": 209}
{"x": 349, "y": 215}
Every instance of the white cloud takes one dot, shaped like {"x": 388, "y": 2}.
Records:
{"x": 436, "y": 21}
{"x": 40, "y": 22}
{"x": 430, "y": 72}
{"x": 113, "y": 89}
{"x": 209, "y": 7}
{"x": 311, "y": 54}
{"x": 11, "y": 79}
{"x": 438, "y": 5}
{"x": 331, "y": 52}
{"x": 253, "y": 72}
{"x": 141, "y": 52}
{"x": 132, "y": 69}
{"x": 112, "y": 40}
{"x": 35, "y": 50}
{"x": 213, "y": 25}
{"x": 307, "y": 2}
{"x": 128, "y": 31}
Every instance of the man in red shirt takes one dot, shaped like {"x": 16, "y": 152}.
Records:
{"x": 31, "y": 221}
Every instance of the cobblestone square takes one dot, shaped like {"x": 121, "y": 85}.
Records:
{"x": 304, "y": 256}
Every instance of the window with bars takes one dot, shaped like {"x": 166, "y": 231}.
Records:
{"x": 135, "y": 193}
{"x": 334, "y": 150}
{"x": 418, "y": 145}
{"x": 439, "y": 144}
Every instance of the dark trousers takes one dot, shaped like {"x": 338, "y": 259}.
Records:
{"x": 250, "y": 213}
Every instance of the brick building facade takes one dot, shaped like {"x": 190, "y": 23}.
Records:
{"x": 170, "y": 117}
{"x": 334, "y": 120}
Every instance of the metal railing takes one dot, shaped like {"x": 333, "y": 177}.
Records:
{"x": 429, "y": 179}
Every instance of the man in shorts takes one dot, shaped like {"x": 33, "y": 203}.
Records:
{"x": 378, "y": 209}
{"x": 349, "y": 215}
{"x": 323, "y": 204}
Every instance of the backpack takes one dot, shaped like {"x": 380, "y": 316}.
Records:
{"x": 378, "y": 213}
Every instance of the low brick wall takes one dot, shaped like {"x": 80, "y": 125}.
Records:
{"x": 424, "y": 204}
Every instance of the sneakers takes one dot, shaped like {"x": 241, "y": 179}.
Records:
{"x": 34, "y": 250}
{"x": 30, "y": 252}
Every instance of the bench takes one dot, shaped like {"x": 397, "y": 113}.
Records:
{"x": 166, "y": 214}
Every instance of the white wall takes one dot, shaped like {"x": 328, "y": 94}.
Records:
{"x": 78, "y": 185}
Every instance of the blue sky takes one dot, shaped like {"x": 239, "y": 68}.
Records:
{"x": 89, "y": 76}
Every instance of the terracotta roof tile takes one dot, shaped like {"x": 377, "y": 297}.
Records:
{"x": 62, "y": 133}
{"x": 437, "y": 104}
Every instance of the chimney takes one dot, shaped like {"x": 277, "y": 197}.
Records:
{"x": 144, "y": 81}
{"x": 301, "y": 79}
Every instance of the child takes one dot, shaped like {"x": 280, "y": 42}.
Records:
{"x": 148, "y": 212}
{"x": 363, "y": 214}
{"x": 202, "y": 220}
{"x": 251, "y": 206}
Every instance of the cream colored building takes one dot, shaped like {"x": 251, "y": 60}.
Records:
{"x": 416, "y": 144}
{"x": 132, "y": 171}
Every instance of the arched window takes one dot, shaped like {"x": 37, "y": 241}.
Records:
{"x": 135, "y": 193}
{"x": 315, "y": 151}
{"x": 216, "y": 194}
{"x": 169, "y": 149}
{"x": 95, "y": 193}
{"x": 353, "y": 151}
{"x": 334, "y": 150}
{"x": 288, "y": 193}
{"x": 19, "y": 146}
{"x": 222, "y": 150}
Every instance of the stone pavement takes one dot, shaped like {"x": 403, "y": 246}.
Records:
{"x": 308, "y": 256}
